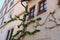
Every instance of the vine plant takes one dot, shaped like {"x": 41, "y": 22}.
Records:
{"x": 23, "y": 33}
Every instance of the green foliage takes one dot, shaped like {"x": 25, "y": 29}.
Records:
{"x": 35, "y": 31}
{"x": 11, "y": 17}
{"x": 23, "y": 32}
{"x": 17, "y": 16}
{"x": 32, "y": 21}
{"x": 26, "y": 9}
{"x": 38, "y": 19}
{"x": 13, "y": 39}
{"x": 18, "y": 32}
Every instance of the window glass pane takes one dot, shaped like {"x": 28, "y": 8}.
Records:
{"x": 42, "y": 7}
{"x": 2, "y": 22}
{"x": 32, "y": 13}
{"x": 0, "y": 14}
{"x": 11, "y": 3}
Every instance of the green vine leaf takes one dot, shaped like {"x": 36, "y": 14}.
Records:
{"x": 26, "y": 32}
{"x": 13, "y": 39}
{"x": 18, "y": 32}
{"x": 11, "y": 17}
{"x": 17, "y": 16}
{"x": 35, "y": 31}
{"x": 38, "y": 19}
{"x": 11, "y": 20}
{"x": 32, "y": 21}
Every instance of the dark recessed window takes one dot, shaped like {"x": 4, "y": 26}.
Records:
{"x": 2, "y": 20}
{"x": 9, "y": 34}
{"x": 11, "y": 3}
{"x": 58, "y": 2}
{"x": 31, "y": 13}
{"x": 42, "y": 7}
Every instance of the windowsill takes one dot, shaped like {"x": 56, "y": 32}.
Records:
{"x": 31, "y": 17}
{"x": 34, "y": 18}
{"x": 41, "y": 12}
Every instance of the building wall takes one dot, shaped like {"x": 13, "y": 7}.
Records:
{"x": 49, "y": 24}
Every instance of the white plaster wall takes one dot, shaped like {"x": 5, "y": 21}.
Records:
{"x": 52, "y": 5}
{"x": 47, "y": 34}
{"x": 44, "y": 34}
{"x": 3, "y": 33}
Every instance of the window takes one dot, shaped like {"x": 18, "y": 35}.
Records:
{"x": 1, "y": 14}
{"x": 11, "y": 3}
{"x": 9, "y": 34}
{"x": 58, "y": 2}
{"x": 42, "y": 7}
{"x": 2, "y": 20}
{"x": 5, "y": 9}
{"x": 32, "y": 13}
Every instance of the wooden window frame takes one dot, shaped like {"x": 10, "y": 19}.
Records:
{"x": 41, "y": 11}
{"x": 30, "y": 16}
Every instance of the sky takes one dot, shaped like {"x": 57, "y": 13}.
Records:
{"x": 1, "y": 3}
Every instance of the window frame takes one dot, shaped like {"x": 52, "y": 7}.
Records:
{"x": 11, "y": 3}
{"x": 39, "y": 8}
{"x": 30, "y": 16}
{"x": 9, "y": 34}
